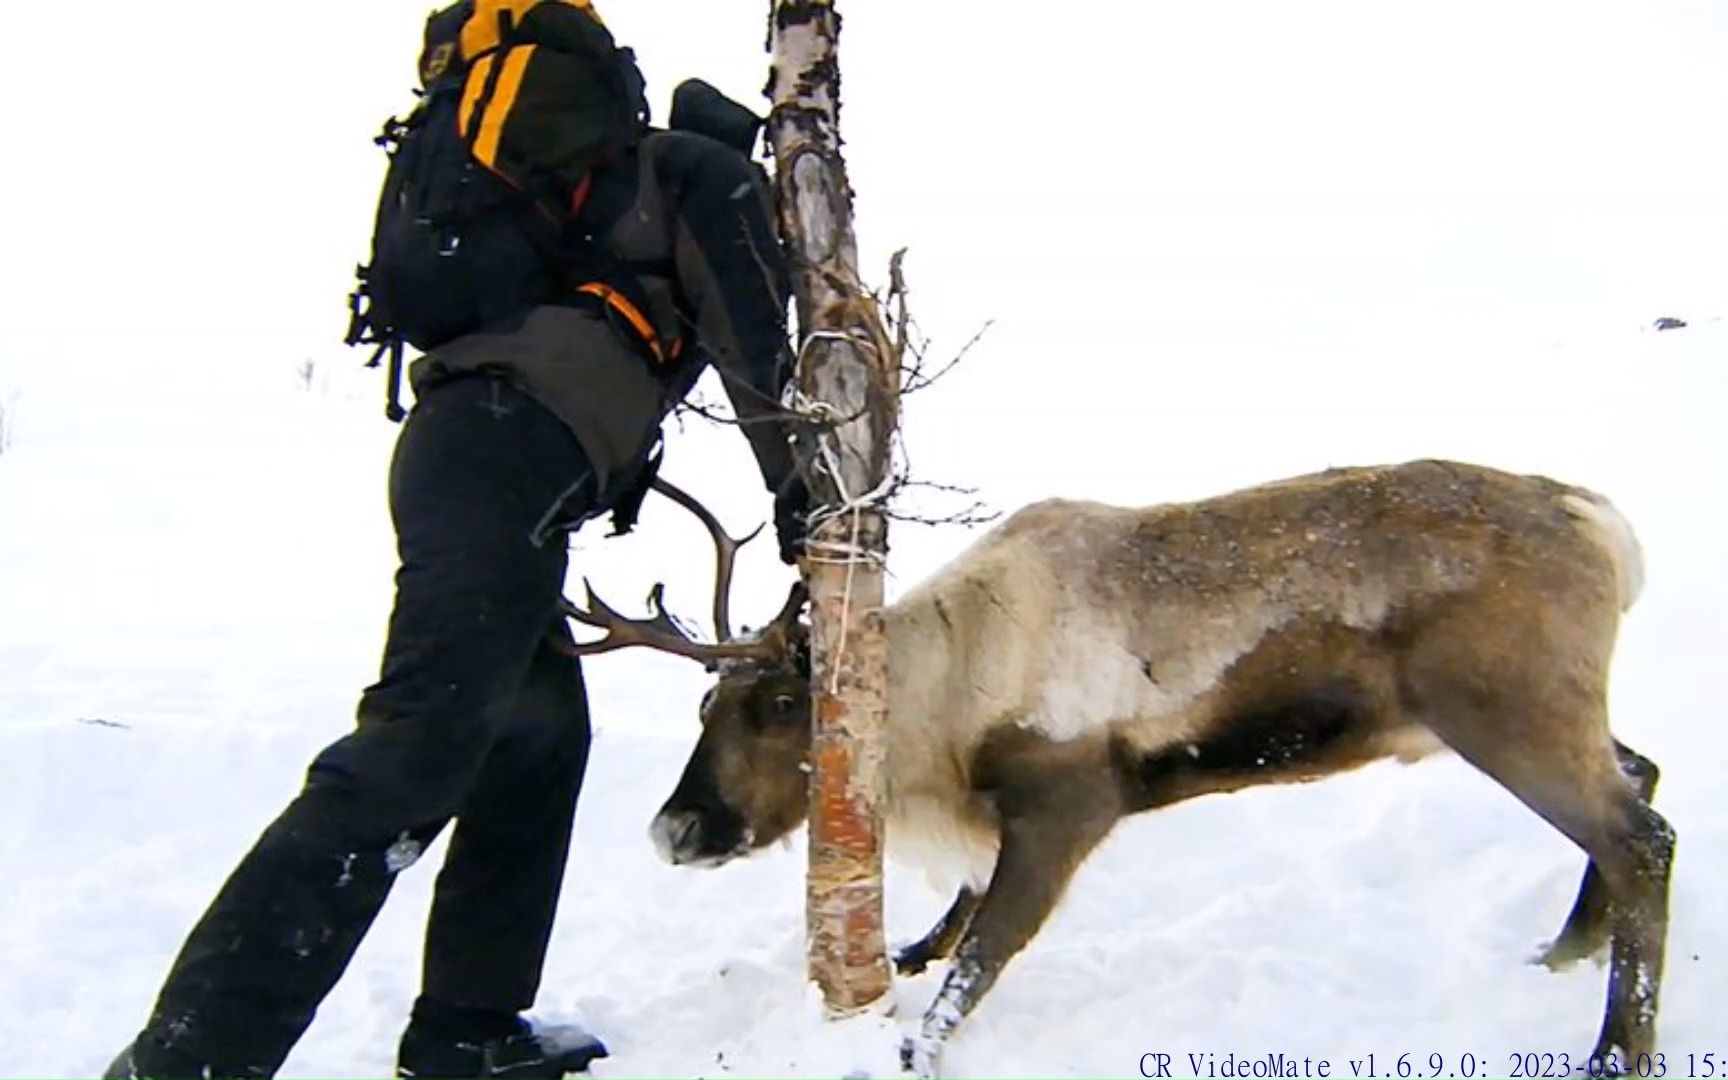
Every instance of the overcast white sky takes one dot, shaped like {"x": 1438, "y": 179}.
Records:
{"x": 1372, "y": 217}
{"x": 1045, "y": 145}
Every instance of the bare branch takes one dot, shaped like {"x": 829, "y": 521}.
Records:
{"x": 715, "y": 414}
{"x": 973, "y": 517}
{"x": 917, "y": 380}
{"x": 906, "y": 340}
{"x": 975, "y": 513}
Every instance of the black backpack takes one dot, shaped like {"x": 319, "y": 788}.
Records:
{"x": 519, "y": 101}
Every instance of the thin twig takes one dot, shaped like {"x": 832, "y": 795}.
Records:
{"x": 975, "y": 513}
{"x": 713, "y": 415}
{"x": 918, "y": 381}
{"x": 903, "y": 337}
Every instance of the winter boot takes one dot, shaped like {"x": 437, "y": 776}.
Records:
{"x": 146, "y": 1059}
{"x": 431, "y": 1052}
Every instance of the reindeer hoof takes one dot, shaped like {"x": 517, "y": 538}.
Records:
{"x": 1565, "y": 951}
{"x": 1611, "y": 1060}
{"x": 912, "y": 960}
{"x": 918, "y": 1057}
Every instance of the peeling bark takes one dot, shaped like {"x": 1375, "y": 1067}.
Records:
{"x": 848, "y": 373}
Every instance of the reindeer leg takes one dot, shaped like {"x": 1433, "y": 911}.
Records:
{"x": 1587, "y": 928}
{"x": 939, "y": 943}
{"x": 1636, "y": 871}
{"x": 1035, "y": 863}
{"x": 1561, "y": 763}
{"x": 1053, "y": 812}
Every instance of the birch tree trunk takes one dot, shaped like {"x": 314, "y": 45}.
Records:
{"x": 848, "y": 378}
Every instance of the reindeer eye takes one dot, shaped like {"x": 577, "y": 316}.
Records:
{"x": 784, "y": 703}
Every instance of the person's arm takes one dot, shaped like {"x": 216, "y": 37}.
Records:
{"x": 735, "y": 279}
{"x": 755, "y": 396}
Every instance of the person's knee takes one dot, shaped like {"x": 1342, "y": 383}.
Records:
{"x": 551, "y": 713}
{"x": 462, "y": 647}
{"x": 391, "y": 776}
{"x": 572, "y": 735}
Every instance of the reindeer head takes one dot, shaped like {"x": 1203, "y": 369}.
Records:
{"x": 745, "y": 785}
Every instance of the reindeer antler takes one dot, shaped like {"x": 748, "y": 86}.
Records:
{"x": 659, "y": 631}
{"x": 725, "y": 553}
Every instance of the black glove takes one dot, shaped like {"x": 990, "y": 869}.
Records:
{"x": 791, "y": 518}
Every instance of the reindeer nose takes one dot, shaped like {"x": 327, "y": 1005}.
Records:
{"x": 675, "y": 834}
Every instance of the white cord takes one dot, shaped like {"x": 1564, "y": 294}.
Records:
{"x": 851, "y": 552}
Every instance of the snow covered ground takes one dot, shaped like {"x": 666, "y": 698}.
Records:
{"x": 1273, "y": 243}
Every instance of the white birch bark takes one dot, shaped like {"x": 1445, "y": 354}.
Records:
{"x": 848, "y": 376}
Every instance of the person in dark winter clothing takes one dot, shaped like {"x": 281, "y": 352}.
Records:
{"x": 521, "y": 431}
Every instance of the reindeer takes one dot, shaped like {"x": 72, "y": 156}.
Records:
{"x": 1082, "y": 662}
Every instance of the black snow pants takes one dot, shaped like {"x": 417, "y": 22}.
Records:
{"x": 475, "y": 718}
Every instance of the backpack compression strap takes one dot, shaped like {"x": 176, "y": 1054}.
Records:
{"x": 485, "y": 32}
{"x": 618, "y": 302}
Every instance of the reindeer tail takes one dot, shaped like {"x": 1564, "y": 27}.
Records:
{"x": 1614, "y": 533}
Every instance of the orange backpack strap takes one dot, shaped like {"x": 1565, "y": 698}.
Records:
{"x": 491, "y": 21}
{"x": 664, "y": 353}
{"x": 548, "y": 94}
